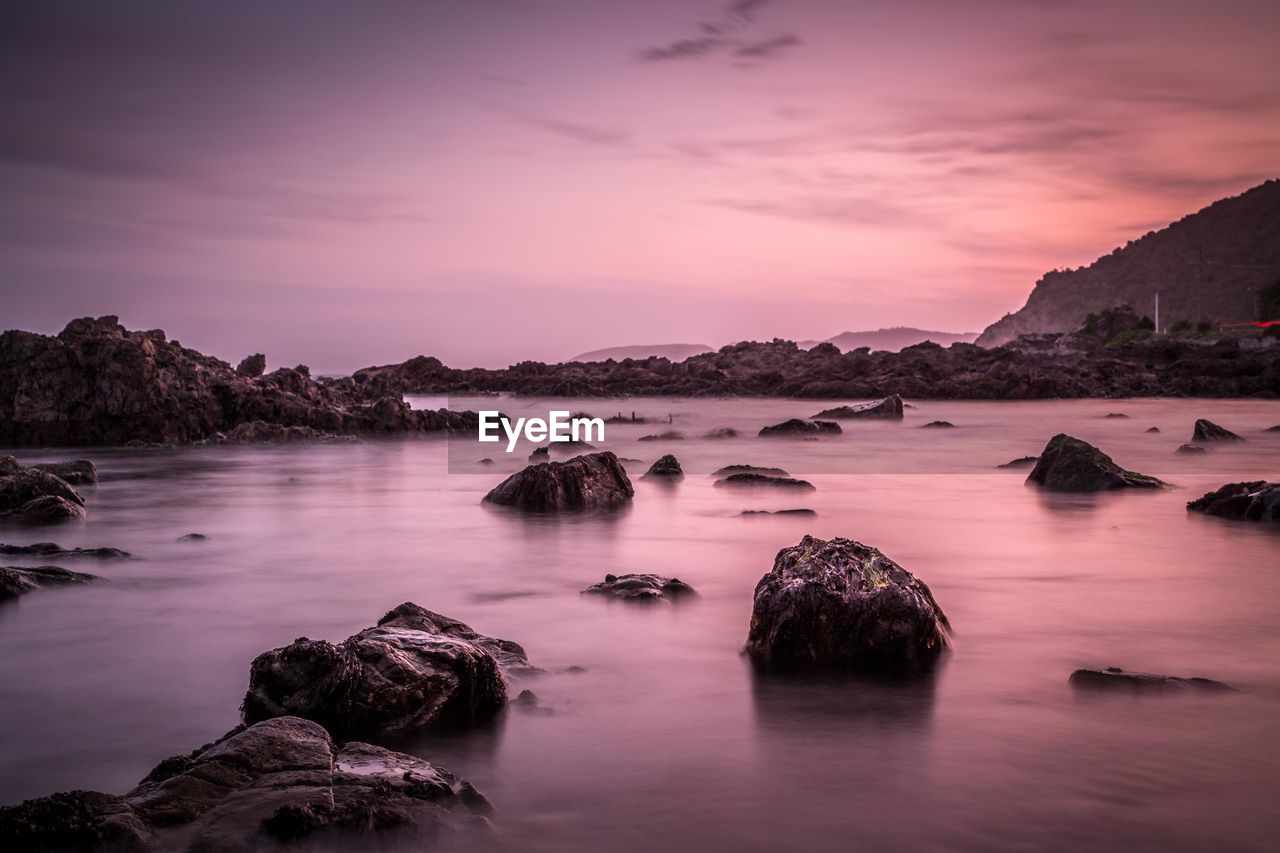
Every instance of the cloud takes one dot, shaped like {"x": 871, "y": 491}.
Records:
{"x": 843, "y": 210}
{"x": 586, "y": 134}
{"x": 729, "y": 33}
{"x": 767, "y": 49}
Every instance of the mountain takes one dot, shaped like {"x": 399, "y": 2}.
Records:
{"x": 892, "y": 340}
{"x": 675, "y": 352}
{"x": 1209, "y": 266}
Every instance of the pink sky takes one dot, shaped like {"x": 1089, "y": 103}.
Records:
{"x": 492, "y": 181}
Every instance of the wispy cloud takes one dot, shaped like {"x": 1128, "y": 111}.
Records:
{"x": 733, "y": 32}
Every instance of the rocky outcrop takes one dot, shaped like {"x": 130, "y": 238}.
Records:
{"x": 1258, "y": 500}
{"x": 36, "y": 496}
{"x": 97, "y": 383}
{"x": 1206, "y": 430}
{"x": 1070, "y": 465}
{"x": 414, "y": 671}
{"x": 252, "y": 366}
{"x": 889, "y": 408}
{"x": 1116, "y": 679}
{"x": 282, "y": 784}
{"x": 596, "y": 481}
{"x": 666, "y": 468}
{"x": 77, "y": 472}
{"x": 797, "y": 427}
{"x": 640, "y": 587}
{"x": 261, "y": 432}
{"x": 750, "y": 480}
{"x": 842, "y": 605}
{"x": 52, "y": 551}
{"x": 16, "y": 580}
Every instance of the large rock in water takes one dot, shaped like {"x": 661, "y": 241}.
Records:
{"x": 414, "y": 671}
{"x": 1070, "y": 465}
{"x": 280, "y": 784}
{"x": 666, "y": 468}
{"x": 1258, "y": 500}
{"x": 797, "y": 427}
{"x": 889, "y": 407}
{"x": 842, "y": 605}
{"x": 1114, "y": 678}
{"x": 1206, "y": 430}
{"x": 640, "y": 587}
{"x": 37, "y": 496}
{"x": 594, "y": 481}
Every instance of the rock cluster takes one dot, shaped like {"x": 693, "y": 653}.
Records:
{"x": 1070, "y": 465}
{"x": 37, "y": 496}
{"x": 596, "y": 481}
{"x": 1254, "y": 501}
{"x": 16, "y": 580}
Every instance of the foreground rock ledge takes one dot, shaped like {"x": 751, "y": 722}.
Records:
{"x": 596, "y": 481}
{"x": 1070, "y": 465}
{"x": 414, "y": 671}
{"x": 281, "y": 784}
{"x": 1258, "y": 500}
{"x": 843, "y": 605}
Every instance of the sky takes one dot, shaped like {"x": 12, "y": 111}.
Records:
{"x": 342, "y": 184}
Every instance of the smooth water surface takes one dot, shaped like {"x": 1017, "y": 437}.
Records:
{"x": 666, "y": 739}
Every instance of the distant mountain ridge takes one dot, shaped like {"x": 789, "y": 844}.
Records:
{"x": 893, "y": 339}
{"x": 675, "y": 352}
{"x": 1208, "y": 266}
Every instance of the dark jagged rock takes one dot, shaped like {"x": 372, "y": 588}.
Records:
{"x": 888, "y": 408}
{"x": 666, "y": 468}
{"x": 252, "y": 366}
{"x": 938, "y": 425}
{"x": 1258, "y": 500}
{"x": 1114, "y": 678}
{"x": 77, "y": 472}
{"x": 414, "y": 671}
{"x": 596, "y": 481}
{"x": 50, "y": 550}
{"x": 777, "y": 512}
{"x": 840, "y": 604}
{"x": 669, "y": 435}
{"x": 36, "y": 496}
{"x": 723, "y": 432}
{"x": 640, "y": 587}
{"x": 1070, "y": 465}
{"x": 16, "y": 580}
{"x": 749, "y": 480}
{"x": 1209, "y": 431}
{"x": 280, "y": 784}
{"x": 795, "y": 427}
{"x": 1192, "y": 448}
{"x": 97, "y": 383}
{"x": 1022, "y": 462}
{"x": 749, "y": 469}
{"x": 540, "y": 454}
{"x": 191, "y": 537}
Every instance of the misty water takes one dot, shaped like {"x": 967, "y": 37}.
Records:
{"x": 665, "y": 738}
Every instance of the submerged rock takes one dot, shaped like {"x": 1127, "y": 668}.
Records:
{"x": 842, "y": 605}
{"x": 795, "y": 426}
{"x": 889, "y": 407}
{"x": 723, "y": 432}
{"x": 596, "y": 481}
{"x": 751, "y": 480}
{"x": 640, "y": 587}
{"x": 77, "y": 472}
{"x": 50, "y": 550}
{"x": 414, "y": 671}
{"x": 777, "y": 512}
{"x": 17, "y": 580}
{"x": 1114, "y": 415}
{"x": 669, "y": 435}
{"x": 192, "y": 537}
{"x": 1070, "y": 465}
{"x": 279, "y": 784}
{"x": 748, "y": 469}
{"x": 1209, "y": 431}
{"x": 1192, "y": 448}
{"x": 938, "y": 425}
{"x": 1258, "y": 500}
{"x": 1152, "y": 429}
{"x": 1114, "y": 678}
{"x": 36, "y": 496}
{"x": 666, "y": 468}
{"x": 1021, "y": 462}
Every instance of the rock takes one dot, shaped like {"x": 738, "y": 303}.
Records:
{"x": 938, "y": 425}
{"x": 640, "y": 587}
{"x": 540, "y": 454}
{"x": 485, "y": 461}
{"x": 666, "y": 468}
{"x": 596, "y": 481}
{"x": 1021, "y": 462}
{"x": 777, "y": 512}
{"x": 16, "y": 580}
{"x": 192, "y": 537}
{"x": 414, "y": 671}
{"x": 889, "y": 407}
{"x": 1152, "y": 429}
{"x": 570, "y": 448}
{"x": 1114, "y": 678}
{"x": 262, "y": 432}
{"x": 748, "y": 469}
{"x": 842, "y": 605}
{"x": 1209, "y": 431}
{"x": 37, "y": 496}
{"x": 50, "y": 550}
{"x": 77, "y": 472}
{"x": 1114, "y": 415}
{"x": 252, "y": 366}
{"x": 1192, "y": 448}
{"x": 752, "y": 480}
{"x": 74, "y": 820}
{"x": 723, "y": 432}
{"x": 795, "y": 427}
{"x": 1258, "y": 500}
{"x": 1070, "y": 465}
{"x": 1275, "y": 428}
{"x": 669, "y": 435}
